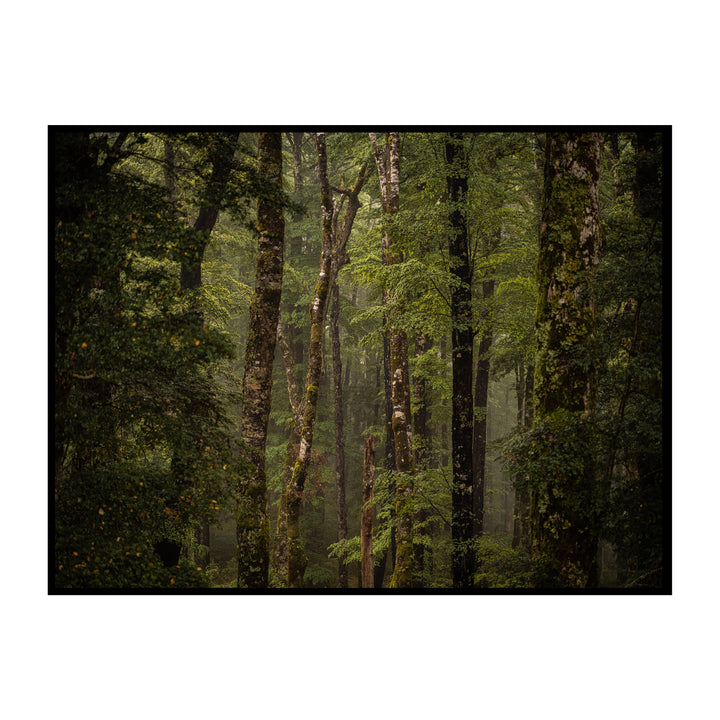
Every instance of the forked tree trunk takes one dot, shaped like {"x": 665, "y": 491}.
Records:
{"x": 366, "y": 518}
{"x": 253, "y": 533}
{"x": 332, "y": 254}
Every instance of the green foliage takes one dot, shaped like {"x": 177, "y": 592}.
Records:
{"x": 501, "y": 566}
{"x": 142, "y": 444}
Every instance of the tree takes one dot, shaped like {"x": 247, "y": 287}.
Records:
{"x": 564, "y": 526}
{"x": 134, "y": 382}
{"x": 389, "y": 174}
{"x": 252, "y": 521}
{"x": 462, "y": 363}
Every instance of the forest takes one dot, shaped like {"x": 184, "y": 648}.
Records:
{"x": 424, "y": 360}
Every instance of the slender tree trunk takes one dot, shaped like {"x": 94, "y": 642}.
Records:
{"x": 339, "y": 428}
{"x": 253, "y": 534}
{"x": 463, "y": 556}
{"x": 521, "y": 527}
{"x": 564, "y": 534}
{"x": 389, "y": 174}
{"x": 366, "y": 554}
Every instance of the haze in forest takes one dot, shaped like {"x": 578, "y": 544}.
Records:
{"x": 351, "y": 361}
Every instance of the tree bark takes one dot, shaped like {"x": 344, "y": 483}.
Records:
{"x": 388, "y": 167}
{"x": 253, "y": 535}
{"x": 366, "y": 519}
{"x": 563, "y": 533}
{"x": 463, "y": 556}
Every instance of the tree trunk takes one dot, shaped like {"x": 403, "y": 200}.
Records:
{"x": 253, "y": 534}
{"x": 366, "y": 556}
{"x": 563, "y": 530}
{"x": 521, "y": 526}
{"x": 388, "y": 167}
{"x": 339, "y": 429}
{"x": 463, "y": 556}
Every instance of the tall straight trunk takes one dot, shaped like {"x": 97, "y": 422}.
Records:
{"x": 331, "y": 258}
{"x": 563, "y": 532}
{"x": 366, "y": 552}
{"x": 279, "y": 558}
{"x": 253, "y": 533}
{"x": 463, "y": 556}
{"x": 339, "y": 428}
{"x": 388, "y": 166}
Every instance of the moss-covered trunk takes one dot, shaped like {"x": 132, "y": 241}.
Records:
{"x": 253, "y": 535}
{"x": 562, "y": 525}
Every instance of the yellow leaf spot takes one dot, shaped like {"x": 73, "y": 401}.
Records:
{"x": 84, "y": 345}
{"x": 101, "y": 511}
{"x": 60, "y": 224}
{"x": 133, "y": 236}
{"x": 197, "y": 342}
{"x": 74, "y": 553}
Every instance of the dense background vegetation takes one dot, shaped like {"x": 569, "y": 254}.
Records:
{"x": 156, "y": 241}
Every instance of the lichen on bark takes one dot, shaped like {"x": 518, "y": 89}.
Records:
{"x": 253, "y": 532}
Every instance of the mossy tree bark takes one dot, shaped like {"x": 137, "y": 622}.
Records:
{"x": 562, "y": 527}
{"x": 332, "y": 254}
{"x": 388, "y": 166}
{"x": 253, "y": 536}
{"x": 463, "y": 556}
